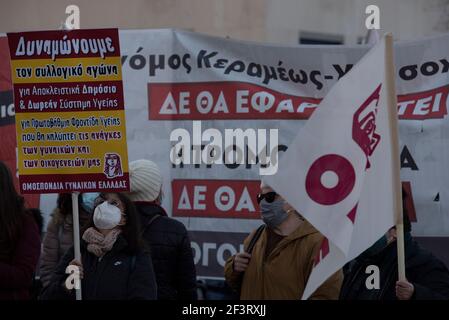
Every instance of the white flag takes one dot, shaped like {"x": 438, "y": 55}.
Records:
{"x": 372, "y": 37}
{"x": 338, "y": 171}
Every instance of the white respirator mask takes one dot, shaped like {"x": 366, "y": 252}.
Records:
{"x": 107, "y": 216}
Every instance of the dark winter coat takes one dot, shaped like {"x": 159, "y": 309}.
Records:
{"x": 429, "y": 276}
{"x": 16, "y": 272}
{"x": 171, "y": 253}
{"x": 116, "y": 276}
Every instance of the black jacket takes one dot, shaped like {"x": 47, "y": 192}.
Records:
{"x": 117, "y": 276}
{"x": 171, "y": 253}
{"x": 429, "y": 276}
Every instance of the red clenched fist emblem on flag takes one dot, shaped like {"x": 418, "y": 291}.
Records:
{"x": 364, "y": 125}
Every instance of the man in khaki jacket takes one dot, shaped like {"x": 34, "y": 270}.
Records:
{"x": 282, "y": 257}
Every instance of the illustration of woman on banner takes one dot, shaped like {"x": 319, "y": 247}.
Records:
{"x": 112, "y": 165}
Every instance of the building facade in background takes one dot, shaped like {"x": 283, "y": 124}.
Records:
{"x": 276, "y": 21}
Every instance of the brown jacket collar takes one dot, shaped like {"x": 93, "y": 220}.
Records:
{"x": 302, "y": 231}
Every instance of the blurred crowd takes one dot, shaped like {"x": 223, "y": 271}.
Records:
{"x": 131, "y": 249}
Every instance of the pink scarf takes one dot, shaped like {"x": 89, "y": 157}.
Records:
{"x": 98, "y": 244}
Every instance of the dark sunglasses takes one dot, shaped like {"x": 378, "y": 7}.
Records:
{"x": 269, "y": 197}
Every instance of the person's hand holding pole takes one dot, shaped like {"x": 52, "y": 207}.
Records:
{"x": 404, "y": 290}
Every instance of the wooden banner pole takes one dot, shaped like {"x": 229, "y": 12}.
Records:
{"x": 396, "y": 179}
{"x": 76, "y": 235}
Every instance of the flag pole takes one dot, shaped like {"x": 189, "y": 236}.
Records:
{"x": 76, "y": 235}
{"x": 75, "y": 212}
{"x": 396, "y": 179}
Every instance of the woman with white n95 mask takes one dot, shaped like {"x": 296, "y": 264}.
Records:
{"x": 114, "y": 264}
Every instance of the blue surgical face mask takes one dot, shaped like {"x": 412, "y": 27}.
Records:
{"x": 88, "y": 200}
{"x": 273, "y": 214}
